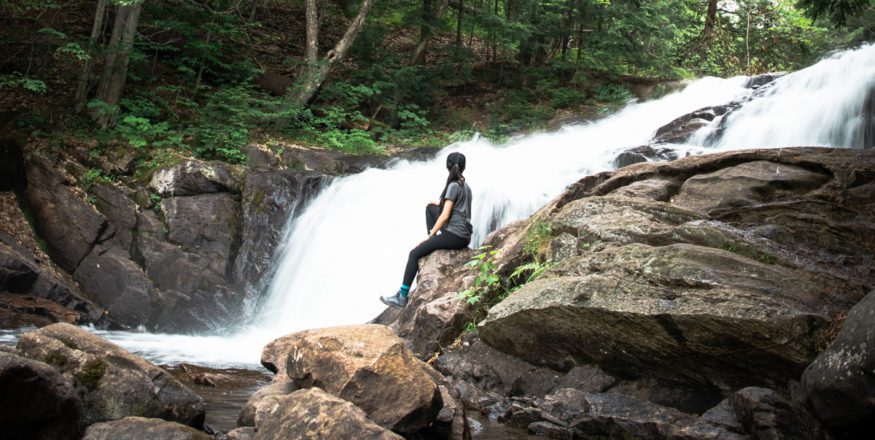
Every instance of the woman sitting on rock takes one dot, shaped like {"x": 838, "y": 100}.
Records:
{"x": 451, "y": 217}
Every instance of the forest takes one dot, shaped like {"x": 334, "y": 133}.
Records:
{"x": 173, "y": 79}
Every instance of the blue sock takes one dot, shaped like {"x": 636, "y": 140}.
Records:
{"x": 404, "y": 290}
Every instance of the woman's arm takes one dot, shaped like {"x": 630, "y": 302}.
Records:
{"x": 443, "y": 219}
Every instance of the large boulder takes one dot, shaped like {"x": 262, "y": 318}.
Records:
{"x": 37, "y": 402}
{"x": 718, "y": 423}
{"x": 314, "y": 414}
{"x": 116, "y": 203}
{"x": 840, "y": 385}
{"x": 768, "y": 416}
{"x": 367, "y": 365}
{"x": 679, "y": 312}
{"x": 69, "y": 225}
{"x": 196, "y": 177}
{"x": 137, "y": 428}
{"x": 112, "y": 382}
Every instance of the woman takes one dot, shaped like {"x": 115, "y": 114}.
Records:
{"x": 451, "y": 217}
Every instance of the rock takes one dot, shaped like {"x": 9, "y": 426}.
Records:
{"x": 109, "y": 277}
{"x": 112, "y": 382}
{"x": 643, "y": 153}
{"x": 245, "y": 433}
{"x": 137, "y": 428}
{"x": 718, "y": 423}
{"x": 195, "y": 177}
{"x": 37, "y": 402}
{"x": 659, "y": 189}
{"x": 616, "y": 219}
{"x": 571, "y": 413}
{"x": 121, "y": 211}
{"x": 17, "y": 311}
{"x": 42, "y": 297}
{"x": 278, "y": 388}
{"x": 679, "y": 312}
{"x": 330, "y": 162}
{"x": 435, "y": 315}
{"x": 493, "y": 371}
{"x": 269, "y": 199}
{"x": 69, "y": 226}
{"x": 205, "y": 224}
{"x": 680, "y": 129}
{"x": 840, "y": 384}
{"x": 367, "y": 365}
{"x": 758, "y": 81}
{"x": 768, "y": 416}
{"x": 747, "y": 184}
{"x": 314, "y": 414}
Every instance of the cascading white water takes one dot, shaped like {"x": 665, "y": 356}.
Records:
{"x": 350, "y": 243}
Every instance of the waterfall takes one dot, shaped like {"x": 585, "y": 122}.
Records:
{"x": 350, "y": 244}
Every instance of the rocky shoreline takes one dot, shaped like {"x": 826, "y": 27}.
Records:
{"x": 722, "y": 296}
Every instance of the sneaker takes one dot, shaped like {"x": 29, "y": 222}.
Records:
{"x": 397, "y": 301}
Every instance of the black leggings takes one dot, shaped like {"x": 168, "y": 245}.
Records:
{"x": 444, "y": 240}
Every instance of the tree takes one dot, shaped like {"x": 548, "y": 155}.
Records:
{"x": 82, "y": 86}
{"x": 115, "y": 63}
{"x": 837, "y": 11}
{"x": 316, "y": 72}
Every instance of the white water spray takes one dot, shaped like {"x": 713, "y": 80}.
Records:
{"x": 350, "y": 244}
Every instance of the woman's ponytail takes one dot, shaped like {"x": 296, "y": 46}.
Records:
{"x": 455, "y": 165}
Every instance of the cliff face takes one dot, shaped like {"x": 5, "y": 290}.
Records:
{"x": 676, "y": 284}
{"x": 180, "y": 252}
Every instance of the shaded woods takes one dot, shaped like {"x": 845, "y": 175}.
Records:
{"x": 182, "y": 78}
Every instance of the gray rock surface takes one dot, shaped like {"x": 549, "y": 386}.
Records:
{"x": 196, "y": 177}
{"x": 314, "y": 414}
{"x": 840, "y": 384}
{"x": 138, "y": 428}
{"x": 112, "y": 383}
{"x": 37, "y": 402}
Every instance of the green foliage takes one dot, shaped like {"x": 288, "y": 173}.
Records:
{"x": 537, "y": 240}
{"x": 16, "y": 80}
{"x": 490, "y": 288}
{"x": 612, "y": 94}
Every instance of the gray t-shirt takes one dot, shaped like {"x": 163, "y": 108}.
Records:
{"x": 460, "y": 220}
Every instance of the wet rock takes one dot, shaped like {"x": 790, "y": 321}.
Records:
{"x": 367, "y": 365}
{"x": 747, "y": 184}
{"x": 767, "y": 415}
{"x": 683, "y": 313}
{"x": 137, "y": 428}
{"x": 196, "y": 177}
{"x": 680, "y": 129}
{"x": 110, "y": 277}
{"x": 643, "y": 153}
{"x": 69, "y": 225}
{"x": 269, "y": 199}
{"x": 111, "y": 382}
{"x": 840, "y": 384}
{"x": 660, "y": 189}
{"x": 313, "y": 413}
{"x": 758, "y": 81}
{"x": 205, "y": 224}
{"x": 37, "y": 402}
{"x": 330, "y": 162}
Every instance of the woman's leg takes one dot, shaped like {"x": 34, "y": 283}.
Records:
{"x": 432, "y": 212}
{"x": 444, "y": 240}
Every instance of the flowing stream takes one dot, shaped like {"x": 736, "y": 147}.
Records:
{"x": 350, "y": 244}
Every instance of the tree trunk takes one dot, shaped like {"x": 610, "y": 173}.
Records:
{"x": 312, "y": 25}
{"x": 460, "y": 12}
{"x": 425, "y": 31}
{"x": 115, "y": 70}
{"x": 82, "y": 86}
{"x": 200, "y": 70}
{"x": 321, "y": 70}
{"x": 710, "y": 19}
